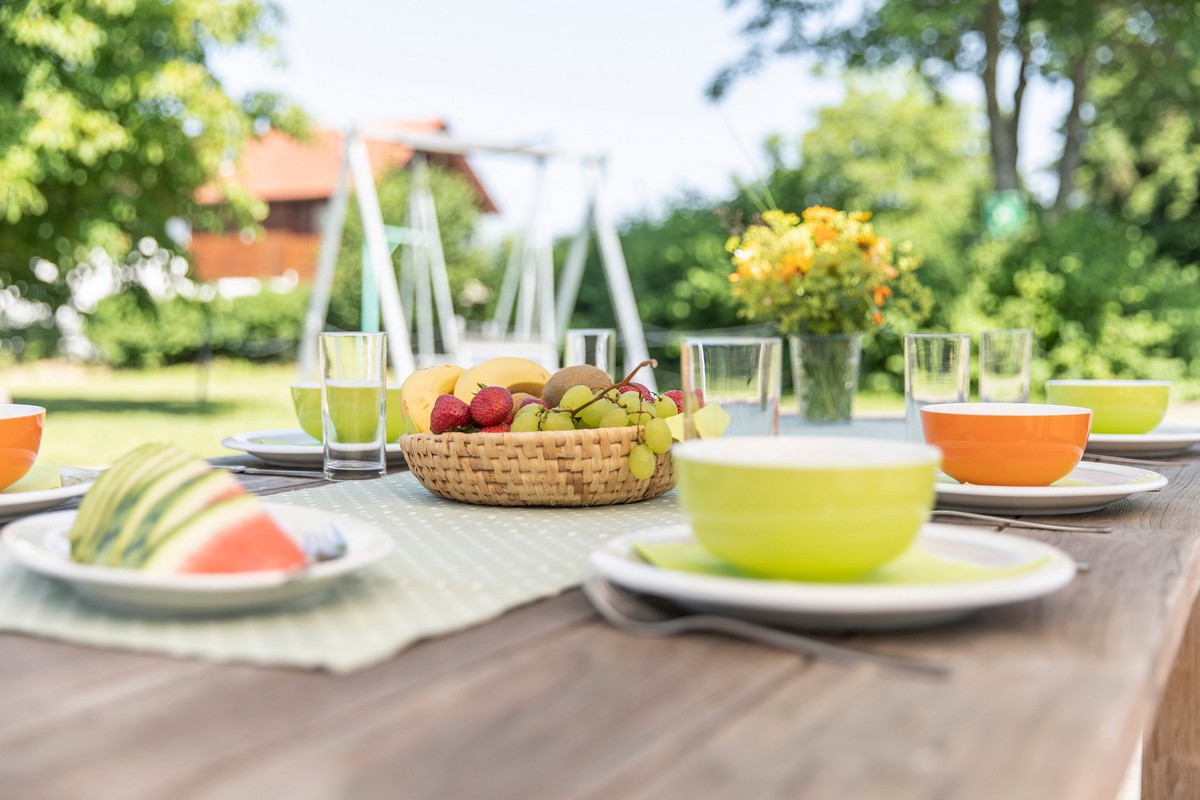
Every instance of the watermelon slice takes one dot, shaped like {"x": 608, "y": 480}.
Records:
{"x": 236, "y": 535}
{"x": 158, "y": 508}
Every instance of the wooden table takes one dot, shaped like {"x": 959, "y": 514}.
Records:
{"x": 1047, "y": 700}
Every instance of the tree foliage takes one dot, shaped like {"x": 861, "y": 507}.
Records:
{"x": 111, "y": 120}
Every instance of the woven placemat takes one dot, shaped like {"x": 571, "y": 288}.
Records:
{"x": 454, "y": 566}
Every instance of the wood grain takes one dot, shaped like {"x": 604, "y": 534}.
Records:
{"x": 1047, "y": 700}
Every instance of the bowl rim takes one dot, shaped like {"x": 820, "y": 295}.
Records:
{"x": 1004, "y": 410}
{"x": 1106, "y": 382}
{"x": 817, "y": 453}
{"x": 19, "y": 410}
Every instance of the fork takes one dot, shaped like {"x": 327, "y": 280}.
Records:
{"x": 1137, "y": 462}
{"x": 643, "y": 615}
{"x": 324, "y": 544}
{"x": 1021, "y": 523}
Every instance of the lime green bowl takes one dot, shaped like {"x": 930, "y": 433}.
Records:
{"x": 803, "y": 507}
{"x": 307, "y": 399}
{"x": 1117, "y": 406}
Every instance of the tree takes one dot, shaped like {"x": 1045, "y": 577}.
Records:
{"x": 1052, "y": 40}
{"x": 111, "y": 120}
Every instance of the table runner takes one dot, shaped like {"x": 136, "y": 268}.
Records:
{"x": 454, "y": 566}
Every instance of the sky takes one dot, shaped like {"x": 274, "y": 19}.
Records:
{"x": 625, "y": 78}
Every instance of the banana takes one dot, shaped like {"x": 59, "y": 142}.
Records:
{"x": 514, "y": 374}
{"x": 420, "y": 391}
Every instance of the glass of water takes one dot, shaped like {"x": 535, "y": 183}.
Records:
{"x": 1004, "y": 361}
{"x": 741, "y": 374}
{"x": 937, "y": 369}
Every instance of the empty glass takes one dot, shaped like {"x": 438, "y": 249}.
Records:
{"x": 594, "y": 346}
{"x": 937, "y": 369}
{"x": 741, "y": 375}
{"x": 1004, "y": 359}
{"x": 353, "y": 410}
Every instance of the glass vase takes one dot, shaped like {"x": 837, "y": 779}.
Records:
{"x": 825, "y": 375}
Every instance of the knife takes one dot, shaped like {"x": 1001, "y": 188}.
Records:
{"x": 284, "y": 471}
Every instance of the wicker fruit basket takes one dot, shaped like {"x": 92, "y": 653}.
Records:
{"x": 553, "y": 468}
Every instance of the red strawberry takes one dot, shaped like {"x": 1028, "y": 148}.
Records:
{"x": 537, "y": 400}
{"x": 448, "y": 413}
{"x": 677, "y": 396}
{"x": 492, "y": 406}
{"x": 637, "y": 387}
{"x": 501, "y": 428}
{"x": 699, "y": 397}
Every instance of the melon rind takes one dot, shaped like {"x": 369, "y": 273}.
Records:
{"x": 174, "y": 510}
{"x": 160, "y": 492}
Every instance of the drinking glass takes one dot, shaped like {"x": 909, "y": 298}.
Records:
{"x": 353, "y": 405}
{"x": 1004, "y": 357}
{"x": 594, "y": 346}
{"x": 741, "y": 375}
{"x": 937, "y": 369}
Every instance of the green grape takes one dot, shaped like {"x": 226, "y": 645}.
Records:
{"x": 658, "y": 435}
{"x": 641, "y": 462}
{"x": 630, "y": 401}
{"x": 596, "y": 411}
{"x": 580, "y": 424}
{"x": 558, "y": 421}
{"x": 574, "y": 397}
{"x": 665, "y": 407}
{"x": 614, "y": 418}
{"x": 530, "y": 408}
{"x": 526, "y": 423}
{"x": 613, "y": 395}
{"x": 640, "y": 417}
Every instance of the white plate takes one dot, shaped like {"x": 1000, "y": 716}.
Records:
{"x": 75, "y": 481}
{"x": 846, "y": 606}
{"x": 1089, "y": 487}
{"x": 39, "y": 543}
{"x": 290, "y": 447}
{"x": 1165, "y": 440}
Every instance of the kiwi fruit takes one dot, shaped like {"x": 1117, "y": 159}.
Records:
{"x": 578, "y": 375}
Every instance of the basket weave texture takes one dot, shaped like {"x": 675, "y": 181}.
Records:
{"x": 548, "y": 468}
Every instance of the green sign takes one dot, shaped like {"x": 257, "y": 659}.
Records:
{"x": 1004, "y": 213}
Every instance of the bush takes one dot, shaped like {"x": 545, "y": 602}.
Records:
{"x": 130, "y": 329}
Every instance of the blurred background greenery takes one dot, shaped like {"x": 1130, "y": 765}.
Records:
{"x": 111, "y": 122}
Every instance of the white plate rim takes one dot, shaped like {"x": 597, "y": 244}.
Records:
{"x": 19, "y": 539}
{"x": 615, "y": 561}
{"x": 242, "y": 441}
{"x": 1143, "y": 480}
{"x": 58, "y": 494}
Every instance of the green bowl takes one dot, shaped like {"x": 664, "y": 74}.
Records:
{"x": 805, "y": 508}
{"x": 307, "y": 399}
{"x": 1117, "y": 406}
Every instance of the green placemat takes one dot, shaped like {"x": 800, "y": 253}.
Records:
{"x": 454, "y": 566}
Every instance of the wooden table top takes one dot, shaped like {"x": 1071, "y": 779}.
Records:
{"x": 1047, "y": 700}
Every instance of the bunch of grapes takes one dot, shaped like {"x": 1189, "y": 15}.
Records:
{"x": 621, "y": 405}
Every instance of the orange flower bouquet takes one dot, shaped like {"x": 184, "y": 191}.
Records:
{"x": 826, "y": 278}
{"x": 824, "y": 272}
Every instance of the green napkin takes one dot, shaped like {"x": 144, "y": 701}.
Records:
{"x": 914, "y": 566}
{"x": 39, "y": 478}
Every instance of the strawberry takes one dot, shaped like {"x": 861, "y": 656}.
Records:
{"x": 531, "y": 400}
{"x": 492, "y": 406}
{"x": 637, "y": 387}
{"x": 448, "y": 413}
{"x": 677, "y": 397}
{"x": 501, "y": 428}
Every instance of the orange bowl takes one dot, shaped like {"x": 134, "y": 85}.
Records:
{"x": 20, "y": 438}
{"x": 1007, "y": 444}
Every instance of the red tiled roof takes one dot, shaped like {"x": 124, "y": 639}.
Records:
{"x": 276, "y": 167}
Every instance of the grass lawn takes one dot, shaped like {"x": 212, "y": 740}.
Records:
{"x": 95, "y": 414}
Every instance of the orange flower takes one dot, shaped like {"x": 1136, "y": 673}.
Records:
{"x": 877, "y": 317}
{"x": 882, "y": 293}
{"x": 823, "y": 234}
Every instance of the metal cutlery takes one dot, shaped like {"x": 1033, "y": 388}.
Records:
{"x": 324, "y": 544}
{"x": 1021, "y": 523}
{"x": 284, "y": 471}
{"x": 648, "y": 616}
{"x": 1135, "y": 462}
